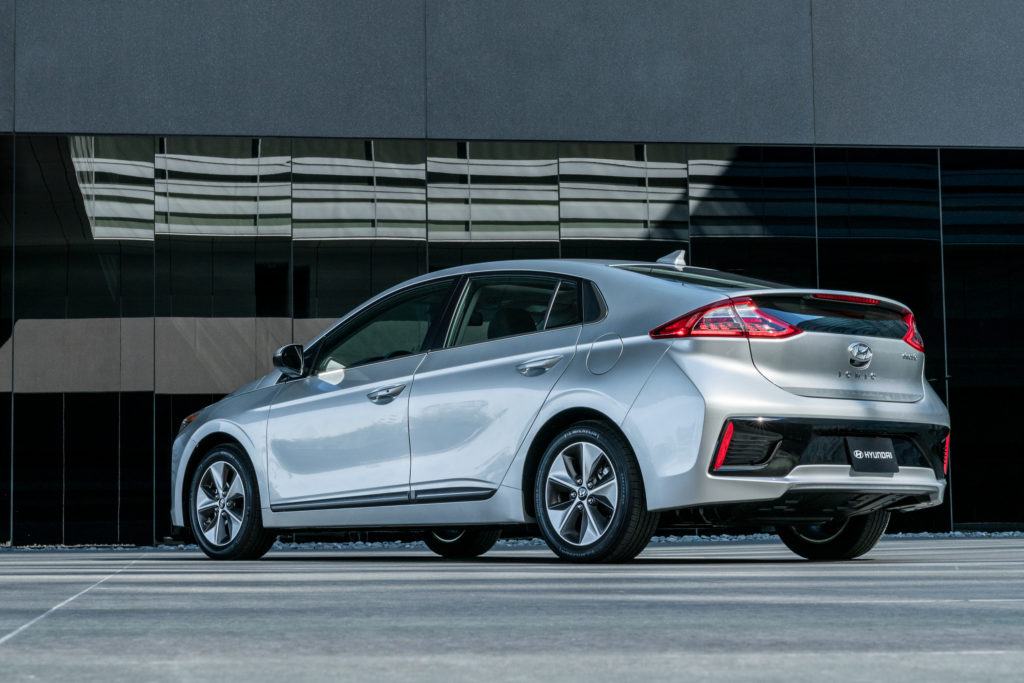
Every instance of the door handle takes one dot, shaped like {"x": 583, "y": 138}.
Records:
{"x": 385, "y": 395}
{"x": 537, "y": 366}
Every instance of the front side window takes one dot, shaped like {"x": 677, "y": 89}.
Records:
{"x": 497, "y": 306}
{"x": 397, "y": 326}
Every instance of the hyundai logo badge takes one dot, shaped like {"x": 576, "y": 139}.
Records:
{"x": 860, "y": 354}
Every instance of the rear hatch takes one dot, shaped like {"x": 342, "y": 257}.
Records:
{"x": 848, "y": 346}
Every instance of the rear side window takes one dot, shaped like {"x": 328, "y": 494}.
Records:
{"x": 498, "y": 306}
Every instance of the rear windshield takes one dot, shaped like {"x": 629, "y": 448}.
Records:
{"x": 836, "y": 317}
{"x": 701, "y": 276}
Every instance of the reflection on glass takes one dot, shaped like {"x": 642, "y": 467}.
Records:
{"x": 493, "y": 190}
{"x": 208, "y": 186}
{"x": 668, "y": 190}
{"x": 885, "y": 193}
{"x": 983, "y": 196}
{"x": 603, "y": 190}
{"x": 115, "y": 176}
{"x": 358, "y": 189}
{"x": 752, "y": 211}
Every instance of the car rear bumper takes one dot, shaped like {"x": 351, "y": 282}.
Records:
{"x": 678, "y": 471}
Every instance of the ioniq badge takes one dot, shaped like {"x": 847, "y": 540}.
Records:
{"x": 860, "y": 354}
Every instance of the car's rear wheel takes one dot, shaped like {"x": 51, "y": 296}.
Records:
{"x": 842, "y": 539}
{"x": 589, "y": 496}
{"x": 461, "y": 543}
{"x": 224, "y": 507}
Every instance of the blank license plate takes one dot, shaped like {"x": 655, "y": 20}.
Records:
{"x": 871, "y": 454}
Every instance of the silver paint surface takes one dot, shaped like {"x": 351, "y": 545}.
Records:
{"x": 467, "y": 417}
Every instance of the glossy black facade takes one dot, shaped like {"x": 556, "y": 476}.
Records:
{"x": 143, "y": 277}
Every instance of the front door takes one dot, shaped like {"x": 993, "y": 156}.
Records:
{"x": 339, "y": 437}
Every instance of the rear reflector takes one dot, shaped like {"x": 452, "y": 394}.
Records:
{"x": 723, "y": 448}
{"x": 733, "y": 318}
{"x": 847, "y": 298}
{"x": 945, "y": 456}
{"x": 913, "y": 336}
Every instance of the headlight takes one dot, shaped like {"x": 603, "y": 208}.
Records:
{"x": 188, "y": 420}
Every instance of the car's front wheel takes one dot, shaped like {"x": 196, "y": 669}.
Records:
{"x": 842, "y": 539}
{"x": 224, "y": 507}
{"x": 589, "y": 496}
{"x": 460, "y": 544}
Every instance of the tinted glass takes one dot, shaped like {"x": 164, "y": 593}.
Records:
{"x": 603, "y": 190}
{"x": 565, "y": 307}
{"x": 982, "y": 205}
{"x": 395, "y": 327}
{"x": 752, "y": 211}
{"x": 499, "y": 306}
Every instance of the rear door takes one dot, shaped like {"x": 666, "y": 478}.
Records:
{"x": 473, "y": 401}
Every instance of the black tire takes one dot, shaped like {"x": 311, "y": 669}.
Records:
{"x": 628, "y": 524}
{"x": 839, "y": 540}
{"x": 461, "y": 544}
{"x": 250, "y": 541}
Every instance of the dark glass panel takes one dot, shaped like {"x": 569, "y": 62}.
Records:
{"x": 982, "y": 201}
{"x": 513, "y": 190}
{"x": 603, "y": 190}
{"x": 274, "y": 187}
{"x": 449, "y": 255}
{"x": 135, "y": 522}
{"x": 668, "y": 191}
{"x": 448, "y": 200}
{"x": 208, "y": 186}
{"x": 333, "y": 188}
{"x": 5, "y": 465}
{"x": 91, "y": 468}
{"x": 400, "y": 188}
{"x": 752, "y": 211}
{"x": 332, "y": 277}
{"x": 620, "y": 250}
{"x": 358, "y": 189}
{"x": 879, "y": 233}
{"x": 170, "y": 411}
{"x": 38, "y": 468}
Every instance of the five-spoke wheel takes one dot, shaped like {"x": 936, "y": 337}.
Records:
{"x": 224, "y": 507}
{"x": 582, "y": 493}
{"x": 589, "y": 497}
{"x": 220, "y": 503}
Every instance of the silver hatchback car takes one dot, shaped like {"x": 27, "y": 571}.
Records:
{"x": 588, "y": 398}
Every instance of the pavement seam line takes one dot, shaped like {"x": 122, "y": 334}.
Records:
{"x": 65, "y": 602}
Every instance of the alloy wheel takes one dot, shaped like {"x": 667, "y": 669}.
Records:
{"x": 581, "y": 493}
{"x": 220, "y": 503}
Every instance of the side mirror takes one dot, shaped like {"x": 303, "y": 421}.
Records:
{"x": 290, "y": 361}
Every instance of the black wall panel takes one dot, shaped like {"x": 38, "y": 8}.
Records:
{"x": 91, "y": 468}
{"x": 38, "y": 469}
{"x": 700, "y": 70}
{"x": 137, "y": 483}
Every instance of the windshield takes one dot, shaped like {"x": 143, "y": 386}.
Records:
{"x": 700, "y": 276}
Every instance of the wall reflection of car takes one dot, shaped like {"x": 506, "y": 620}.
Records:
{"x": 592, "y": 399}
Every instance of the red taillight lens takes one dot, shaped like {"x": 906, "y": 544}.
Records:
{"x": 760, "y": 324}
{"x": 847, "y": 298}
{"x": 723, "y": 448}
{"x": 945, "y": 456}
{"x": 739, "y": 318}
{"x": 913, "y": 336}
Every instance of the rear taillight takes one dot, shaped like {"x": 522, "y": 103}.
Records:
{"x": 733, "y": 318}
{"x": 913, "y": 336}
{"x": 723, "y": 447}
{"x": 945, "y": 456}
